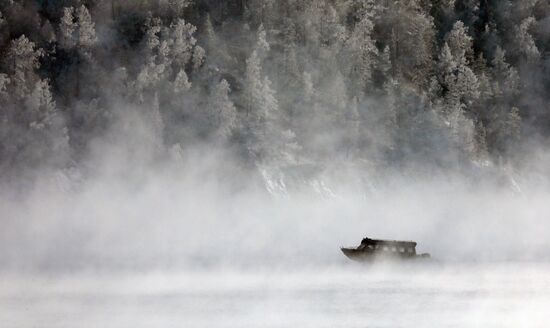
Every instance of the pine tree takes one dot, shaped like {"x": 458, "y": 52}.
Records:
{"x": 262, "y": 46}
{"x": 253, "y": 87}
{"x": 23, "y": 60}
{"x": 505, "y": 77}
{"x": 362, "y": 54}
{"x": 411, "y": 33}
{"x": 460, "y": 43}
{"x": 183, "y": 42}
{"x": 86, "y": 38}
{"x": 67, "y": 28}
{"x": 181, "y": 83}
{"x": 523, "y": 41}
{"x": 152, "y": 38}
{"x": 460, "y": 84}
{"x": 198, "y": 57}
{"x": 223, "y": 111}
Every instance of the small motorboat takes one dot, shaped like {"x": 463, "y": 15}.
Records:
{"x": 371, "y": 249}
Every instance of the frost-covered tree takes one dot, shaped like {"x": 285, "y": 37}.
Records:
{"x": 410, "y": 31}
{"x": 67, "y": 28}
{"x": 33, "y": 130}
{"x": 460, "y": 43}
{"x": 183, "y": 42}
{"x": 199, "y": 56}
{"x": 181, "y": 83}
{"x": 361, "y": 54}
{"x": 458, "y": 81}
{"x": 524, "y": 43}
{"x": 253, "y": 86}
{"x": 223, "y": 113}
{"x": 86, "y": 35}
{"x": 374, "y": 79}
{"x": 77, "y": 30}
{"x": 22, "y": 61}
{"x": 77, "y": 37}
{"x": 262, "y": 46}
{"x": 504, "y": 118}
{"x": 506, "y": 80}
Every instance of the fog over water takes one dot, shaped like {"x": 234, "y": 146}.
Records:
{"x": 146, "y": 247}
{"x": 194, "y": 214}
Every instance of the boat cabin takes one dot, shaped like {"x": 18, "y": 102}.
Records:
{"x": 403, "y": 248}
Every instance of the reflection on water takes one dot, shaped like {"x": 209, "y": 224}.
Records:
{"x": 452, "y": 295}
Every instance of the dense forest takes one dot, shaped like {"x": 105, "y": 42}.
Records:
{"x": 278, "y": 83}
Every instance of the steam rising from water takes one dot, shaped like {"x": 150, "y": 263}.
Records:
{"x": 198, "y": 209}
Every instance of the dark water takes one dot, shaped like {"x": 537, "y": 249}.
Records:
{"x": 452, "y": 295}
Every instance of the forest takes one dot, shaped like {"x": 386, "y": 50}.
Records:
{"x": 281, "y": 85}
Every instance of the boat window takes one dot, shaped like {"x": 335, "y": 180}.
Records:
{"x": 385, "y": 248}
{"x": 410, "y": 250}
{"x": 394, "y": 249}
{"x": 402, "y": 249}
{"x": 370, "y": 247}
{"x": 376, "y": 246}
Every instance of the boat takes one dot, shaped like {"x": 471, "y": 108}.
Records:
{"x": 371, "y": 249}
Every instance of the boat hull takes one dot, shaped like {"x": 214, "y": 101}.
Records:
{"x": 361, "y": 255}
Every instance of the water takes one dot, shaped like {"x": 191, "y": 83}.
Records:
{"x": 451, "y": 295}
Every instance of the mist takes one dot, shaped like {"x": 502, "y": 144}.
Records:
{"x": 200, "y": 209}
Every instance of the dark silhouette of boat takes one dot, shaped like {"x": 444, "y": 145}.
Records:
{"x": 371, "y": 249}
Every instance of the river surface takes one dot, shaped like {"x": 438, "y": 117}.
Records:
{"x": 436, "y": 295}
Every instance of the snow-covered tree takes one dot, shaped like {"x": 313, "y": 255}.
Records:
{"x": 23, "y": 60}
{"x": 67, "y": 28}
{"x": 253, "y": 87}
{"x": 411, "y": 35}
{"x": 199, "y": 56}
{"x": 459, "y": 83}
{"x": 40, "y": 104}
{"x": 262, "y": 46}
{"x": 152, "y": 38}
{"x": 76, "y": 29}
{"x": 506, "y": 80}
{"x": 460, "y": 43}
{"x": 183, "y": 42}
{"x": 361, "y": 55}
{"x": 182, "y": 84}
{"x": 503, "y": 117}
{"x": 223, "y": 111}
{"x": 86, "y": 35}
{"x": 523, "y": 40}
